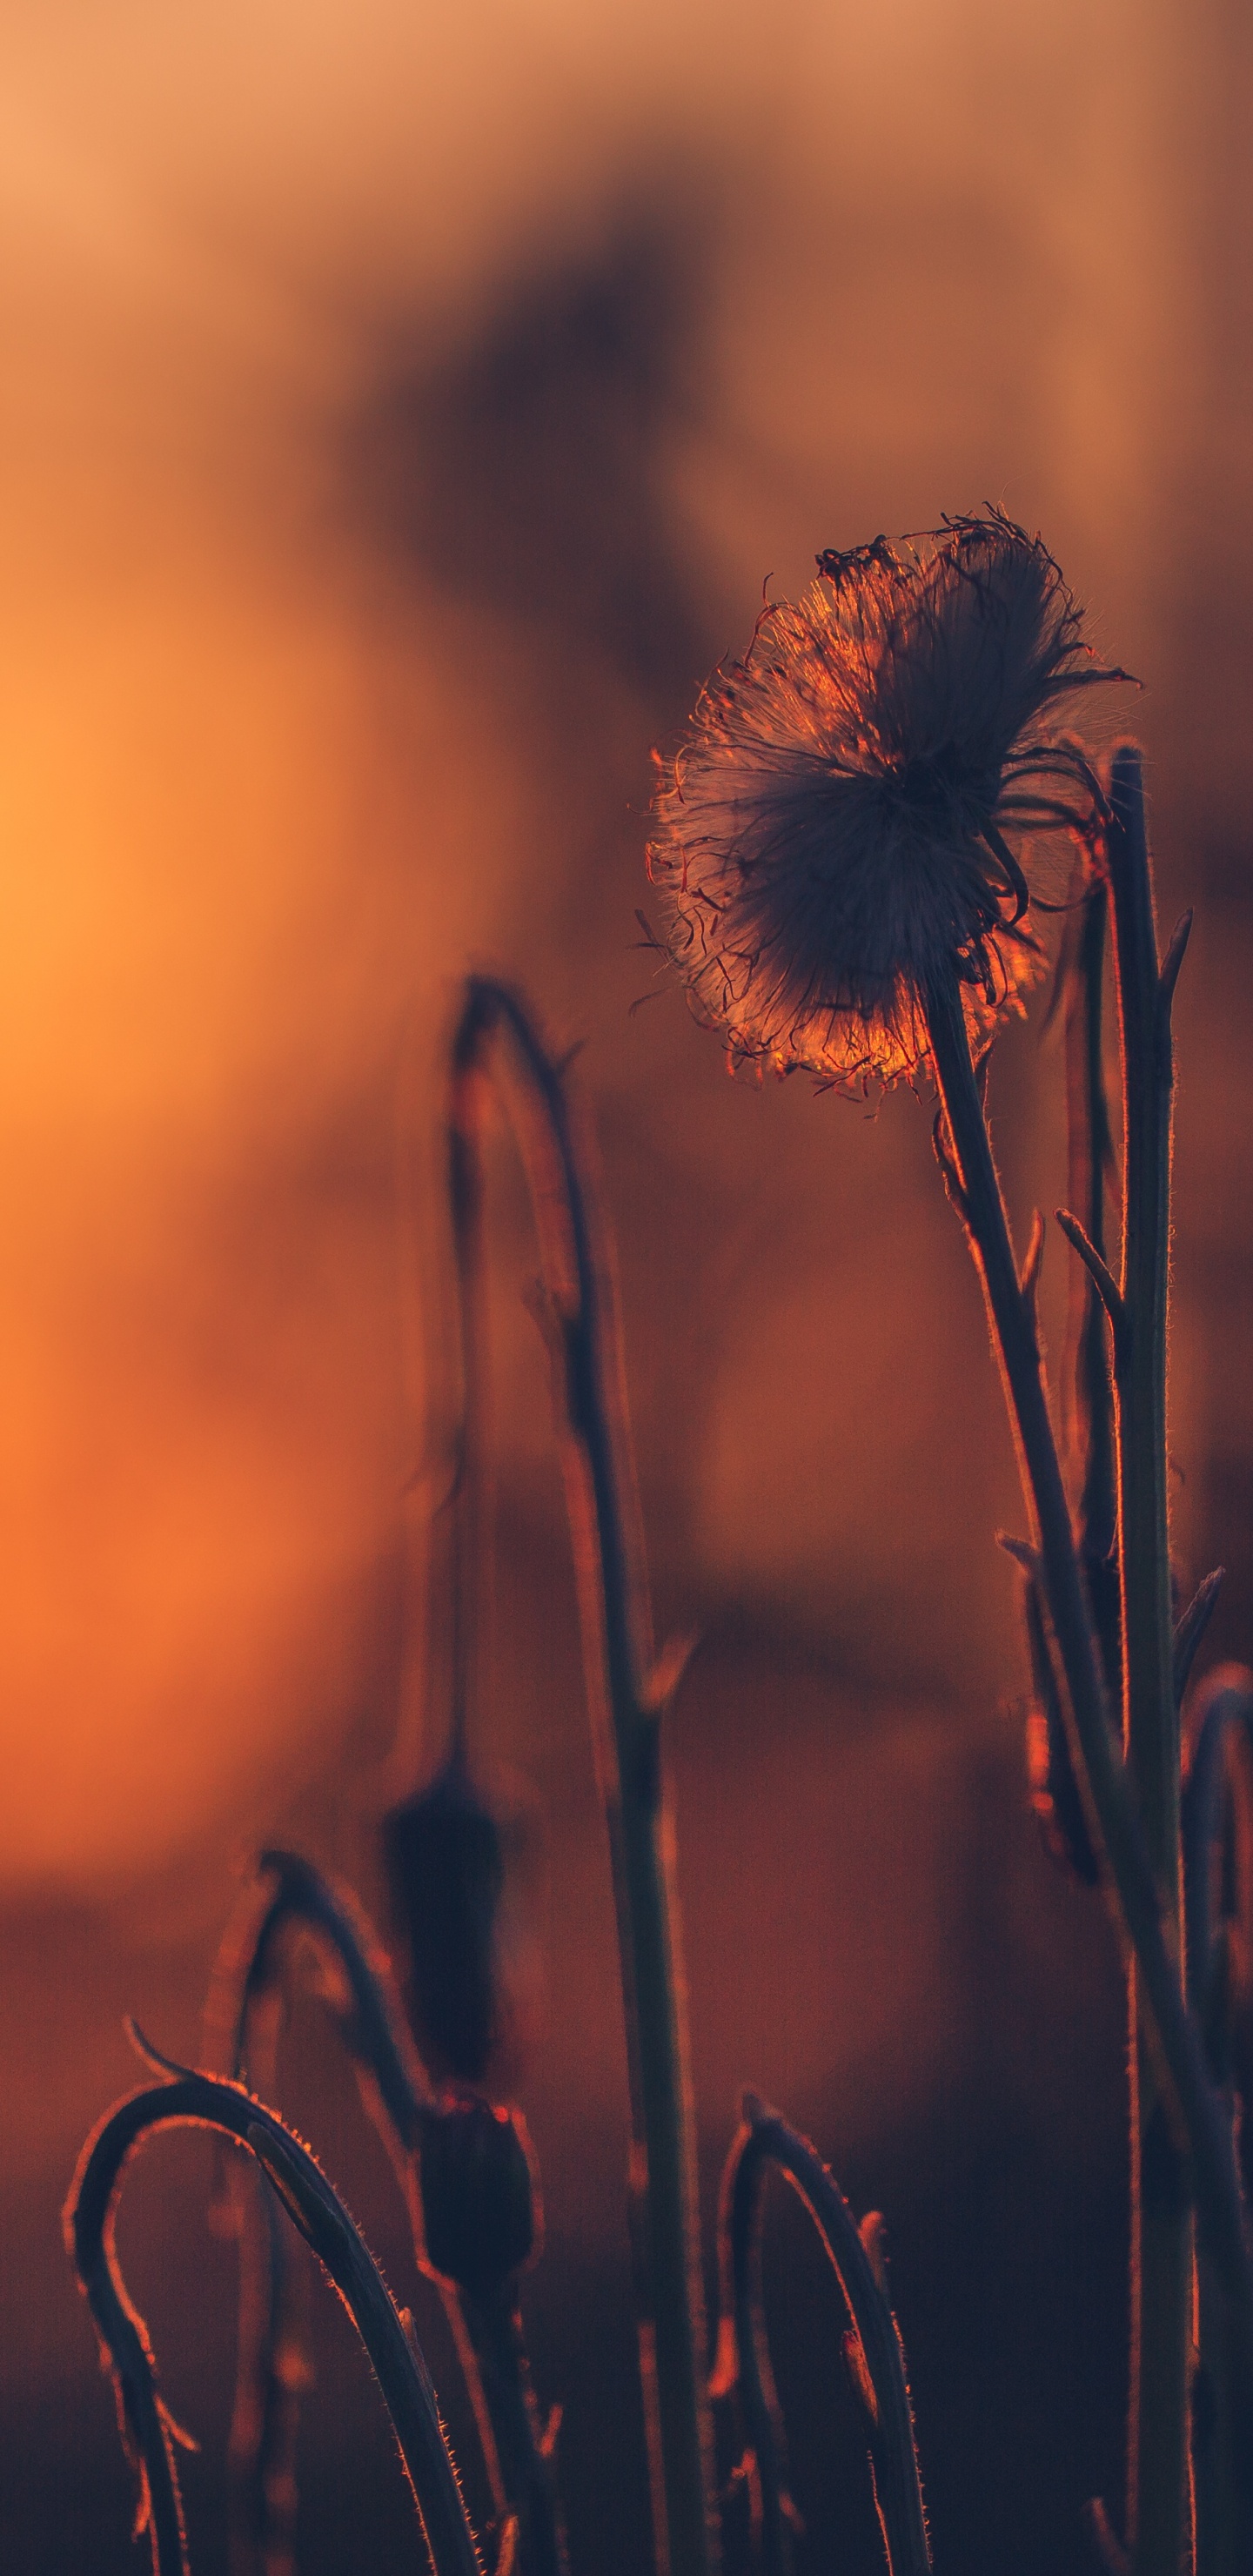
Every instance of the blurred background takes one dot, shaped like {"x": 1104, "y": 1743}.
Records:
{"x": 402, "y": 410}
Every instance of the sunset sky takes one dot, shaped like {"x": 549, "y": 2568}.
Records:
{"x": 403, "y": 409}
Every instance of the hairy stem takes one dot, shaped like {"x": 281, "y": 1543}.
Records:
{"x": 581, "y": 1319}
{"x": 487, "y": 2332}
{"x": 1088, "y": 1155}
{"x": 1197, "y": 2116}
{"x": 1217, "y": 1842}
{"x": 877, "y": 2358}
{"x": 207, "y": 2102}
{"x": 494, "y": 2328}
{"x": 1159, "y": 2509}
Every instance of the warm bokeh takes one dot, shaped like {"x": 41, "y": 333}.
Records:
{"x": 403, "y": 409}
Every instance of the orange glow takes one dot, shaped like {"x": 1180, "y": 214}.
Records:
{"x": 205, "y": 1429}
{"x": 404, "y": 409}
{"x": 403, "y": 413}
{"x": 269, "y": 780}
{"x": 868, "y": 800}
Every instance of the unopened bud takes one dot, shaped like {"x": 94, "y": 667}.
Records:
{"x": 478, "y": 2194}
{"x": 445, "y": 1860}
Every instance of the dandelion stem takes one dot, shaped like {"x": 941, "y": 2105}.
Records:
{"x": 1197, "y": 2115}
{"x": 1159, "y": 2511}
{"x": 581, "y": 1318}
{"x": 1089, "y": 1150}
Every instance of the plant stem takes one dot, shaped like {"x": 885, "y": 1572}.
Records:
{"x": 1089, "y": 1371}
{"x": 617, "y": 1650}
{"x": 486, "y": 2329}
{"x": 1159, "y": 2511}
{"x": 1217, "y": 1845}
{"x": 1197, "y": 2116}
{"x": 396, "y": 2358}
{"x": 763, "y": 2140}
{"x": 472, "y": 1589}
{"x": 494, "y": 2328}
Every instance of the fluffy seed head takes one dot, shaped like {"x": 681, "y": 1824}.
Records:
{"x": 859, "y": 804}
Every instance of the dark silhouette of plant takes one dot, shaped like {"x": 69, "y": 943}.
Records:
{"x": 873, "y": 2352}
{"x": 626, "y": 1690}
{"x": 466, "y": 2172}
{"x": 852, "y": 844}
{"x": 849, "y": 844}
{"x": 185, "y": 2098}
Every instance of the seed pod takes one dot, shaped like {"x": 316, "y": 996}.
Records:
{"x": 444, "y": 1853}
{"x": 478, "y": 2194}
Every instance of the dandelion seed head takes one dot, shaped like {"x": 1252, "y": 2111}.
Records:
{"x": 867, "y": 799}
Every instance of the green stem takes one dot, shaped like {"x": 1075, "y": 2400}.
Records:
{"x": 1159, "y": 2510}
{"x": 1196, "y": 2113}
{"x": 617, "y": 1649}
